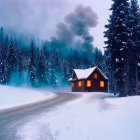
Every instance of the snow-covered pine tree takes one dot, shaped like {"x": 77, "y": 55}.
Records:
{"x": 20, "y": 62}
{"x": 110, "y": 46}
{"x": 32, "y": 68}
{"x": 65, "y": 72}
{"x": 57, "y": 61}
{"x": 52, "y": 78}
{"x": 2, "y": 58}
{"x": 98, "y": 58}
{"x": 109, "y": 72}
{"x": 6, "y": 44}
{"x": 71, "y": 67}
{"x": 118, "y": 35}
{"x": 135, "y": 47}
{"x": 12, "y": 58}
{"x": 3, "y": 65}
{"x": 41, "y": 69}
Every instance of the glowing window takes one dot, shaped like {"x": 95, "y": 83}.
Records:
{"x": 80, "y": 83}
{"x": 73, "y": 84}
{"x": 95, "y": 75}
{"x": 102, "y": 84}
{"x": 88, "y": 83}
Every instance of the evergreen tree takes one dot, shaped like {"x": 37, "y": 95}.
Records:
{"x": 12, "y": 58}
{"x": 20, "y": 61}
{"x": 65, "y": 72}
{"x": 3, "y": 65}
{"x": 135, "y": 47}
{"x": 1, "y": 35}
{"x": 118, "y": 35}
{"x": 52, "y": 77}
{"x": 41, "y": 69}
{"x": 98, "y": 58}
{"x": 32, "y": 68}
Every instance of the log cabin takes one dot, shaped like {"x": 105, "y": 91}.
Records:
{"x": 88, "y": 80}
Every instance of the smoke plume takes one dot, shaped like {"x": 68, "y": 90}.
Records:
{"x": 76, "y": 24}
{"x": 81, "y": 20}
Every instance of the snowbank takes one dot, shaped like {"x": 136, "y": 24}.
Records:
{"x": 13, "y": 96}
{"x": 95, "y": 116}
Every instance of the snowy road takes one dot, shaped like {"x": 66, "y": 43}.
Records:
{"x": 93, "y": 116}
{"x": 11, "y": 119}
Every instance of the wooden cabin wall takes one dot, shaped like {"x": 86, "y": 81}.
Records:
{"x": 77, "y": 88}
{"x": 95, "y": 83}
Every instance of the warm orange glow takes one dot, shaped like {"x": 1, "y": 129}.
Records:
{"x": 80, "y": 83}
{"x": 88, "y": 83}
{"x": 73, "y": 84}
{"x": 102, "y": 84}
{"x": 95, "y": 75}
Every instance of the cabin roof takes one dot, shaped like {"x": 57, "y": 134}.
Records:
{"x": 85, "y": 73}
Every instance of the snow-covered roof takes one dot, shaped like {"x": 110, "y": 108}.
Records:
{"x": 85, "y": 73}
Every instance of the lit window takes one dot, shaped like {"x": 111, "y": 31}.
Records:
{"x": 95, "y": 75}
{"x": 102, "y": 84}
{"x": 73, "y": 84}
{"x": 80, "y": 83}
{"x": 88, "y": 83}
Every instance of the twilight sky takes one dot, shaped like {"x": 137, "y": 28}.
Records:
{"x": 40, "y": 17}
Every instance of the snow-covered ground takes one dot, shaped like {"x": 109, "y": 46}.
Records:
{"x": 94, "y": 116}
{"x": 13, "y": 96}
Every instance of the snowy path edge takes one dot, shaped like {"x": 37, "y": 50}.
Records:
{"x": 59, "y": 98}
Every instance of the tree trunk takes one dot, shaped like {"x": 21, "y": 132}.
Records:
{"x": 136, "y": 74}
{"x": 125, "y": 79}
{"x": 125, "y": 88}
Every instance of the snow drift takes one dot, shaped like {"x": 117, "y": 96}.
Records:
{"x": 12, "y": 96}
